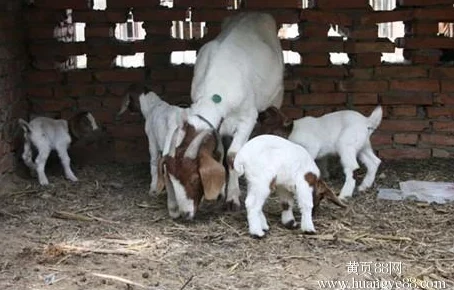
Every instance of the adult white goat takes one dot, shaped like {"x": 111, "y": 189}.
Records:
{"x": 43, "y": 134}
{"x": 344, "y": 133}
{"x": 273, "y": 163}
{"x": 236, "y": 76}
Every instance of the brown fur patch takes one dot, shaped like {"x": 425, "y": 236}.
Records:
{"x": 320, "y": 191}
{"x": 285, "y": 205}
{"x": 273, "y": 185}
{"x": 273, "y": 121}
{"x": 189, "y": 171}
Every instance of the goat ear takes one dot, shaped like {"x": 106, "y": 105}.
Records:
{"x": 161, "y": 182}
{"x": 329, "y": 194}
{"x": 25, "y": 126}
{"x": 212, "y": 174}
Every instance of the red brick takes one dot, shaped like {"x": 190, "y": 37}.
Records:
{"x": 416, "y": 28}
{"x": 404, "y": 153}
{"x": 126, "y": 75}
{"x": 425, "y": 42}
{"x": 267, "y": 3}
{"x": 292, "y": 84}
{"x": 73, "y": 4}
{"x": 122, "y": 131}
{"x": 311, "y": 72}
{"x": 210, "y": 15}
{"x": 292, "y": 112}
{"x": 443, "y": 126}
{"x": 41, "y": 32}
{"x": 314, "y": 30}
{"x": 131, "y": 3}
{"x": 325, "y": 17}
{"x": 89, "y": 104}
{"x": 422, "y": 2}
{"x": 415, "y": 85}
{"x": 361, "y": 73}
{"x": 398, "y": 98}
{"x": 386, "y": 16}
{"x": 41, "y": 92}
{"x": 304, "y": 45}
{"x": 177, "y": 87}
{"x": 6, "y": 163}
{"x": 442, "y": 72}
{"x": 320, "y": 99}
{"x": 346, "y": 4}
{"x": 366, "y": 110}
{"x": 99, "y": 16}
{"x": 403, "y": 111}
{"x": 364, "y": 33}
{"x": 38, "y": 15}
{"x": 369, "y": 47}
{"x": 438, "y": 112}
{"x": 442, "y": 153}
{"x": 406, "y": 138}
{"x": 321, "y": 110}
{"x": 366, "y": 59}
{"x": 322, "y": 86}
{"x": 400, "y": 72}
{"x": 41, "y": 77}
{"x": 363, "y": 86}
{"x": 381, "y": 139}
{"x": 99, "y": 30}
{"x": 288, "y": 99}
{"x": 404, "y": 125}
{"x": 437, "y": 139}
{"x": 444, "y": 99}
{"x": 316, "y": 59}
{"x": 201, "y": 3}
{"x": 364, "y": 98}
{"x": 82, "y": 76}
{"x": 53, "y": 105}
{"x": 447, "y": 86}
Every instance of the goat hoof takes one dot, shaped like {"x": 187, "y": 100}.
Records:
{"x": 257, "y": 236}
{"x": 309, "y": 232}
{"x": 291, "y": 225}
{"x": 232, "y": 206}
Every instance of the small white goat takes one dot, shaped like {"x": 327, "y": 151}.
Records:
{"x": 43, "y": 134}
{"x": 344, "y": 133}
{"x": 273, "y": 163}
{"x": 161, "y": 119}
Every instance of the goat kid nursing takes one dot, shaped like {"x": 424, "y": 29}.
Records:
{"x": 43, "y": 134}
{"x": 271, "y": 163}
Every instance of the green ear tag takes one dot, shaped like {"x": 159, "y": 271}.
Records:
{"x": 216, "y": 98}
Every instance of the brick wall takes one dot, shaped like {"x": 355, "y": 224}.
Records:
{"x": 12, "y": 63}
{"x": 418, "y": 97}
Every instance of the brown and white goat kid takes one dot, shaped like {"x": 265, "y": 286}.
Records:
{"x": 271, "y": 163}
{"x": 232, "y": 83}
{"x": 43, "y": 134}
{"x": 344, "y": 133}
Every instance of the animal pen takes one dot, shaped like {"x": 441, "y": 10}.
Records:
{"x": 105, "y": 232}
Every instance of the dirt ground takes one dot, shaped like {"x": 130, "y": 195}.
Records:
{"x": 69, "y": 235}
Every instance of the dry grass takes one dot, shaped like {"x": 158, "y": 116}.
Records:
{"x": 76, "y": 234}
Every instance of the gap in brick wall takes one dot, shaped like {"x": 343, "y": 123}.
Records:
{"x": 99, "y": 4}
{"x": 289, "y": 31}
{"x": 446, "y": 29}
{"x": 128, "y": 61}
{"x": 390, "y": 30}
{"x": 73, "y": 62}
{"x": 338, "y": 58}
{"x": 69, "y": 31}
{"x": 183, "y": 57}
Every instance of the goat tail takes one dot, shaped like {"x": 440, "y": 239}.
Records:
{"x": 238, "y": 166}
{"x": 375, "y": 118}
{"x": 24, "y": 124}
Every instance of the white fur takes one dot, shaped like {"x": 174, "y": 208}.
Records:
{"x": 268, "y": 157}
{"x": 344, "y": 133}
{"x": 244, "y": 65}
{"x": 160, "y": 121}
{"x": 48, "y": 134}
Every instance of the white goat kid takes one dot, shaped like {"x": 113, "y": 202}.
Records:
{"x": 160, "y": 121}
{"x": 44, "y": 134}
{"x": 344, "y": 133}
{"x": 273, "y": 163}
